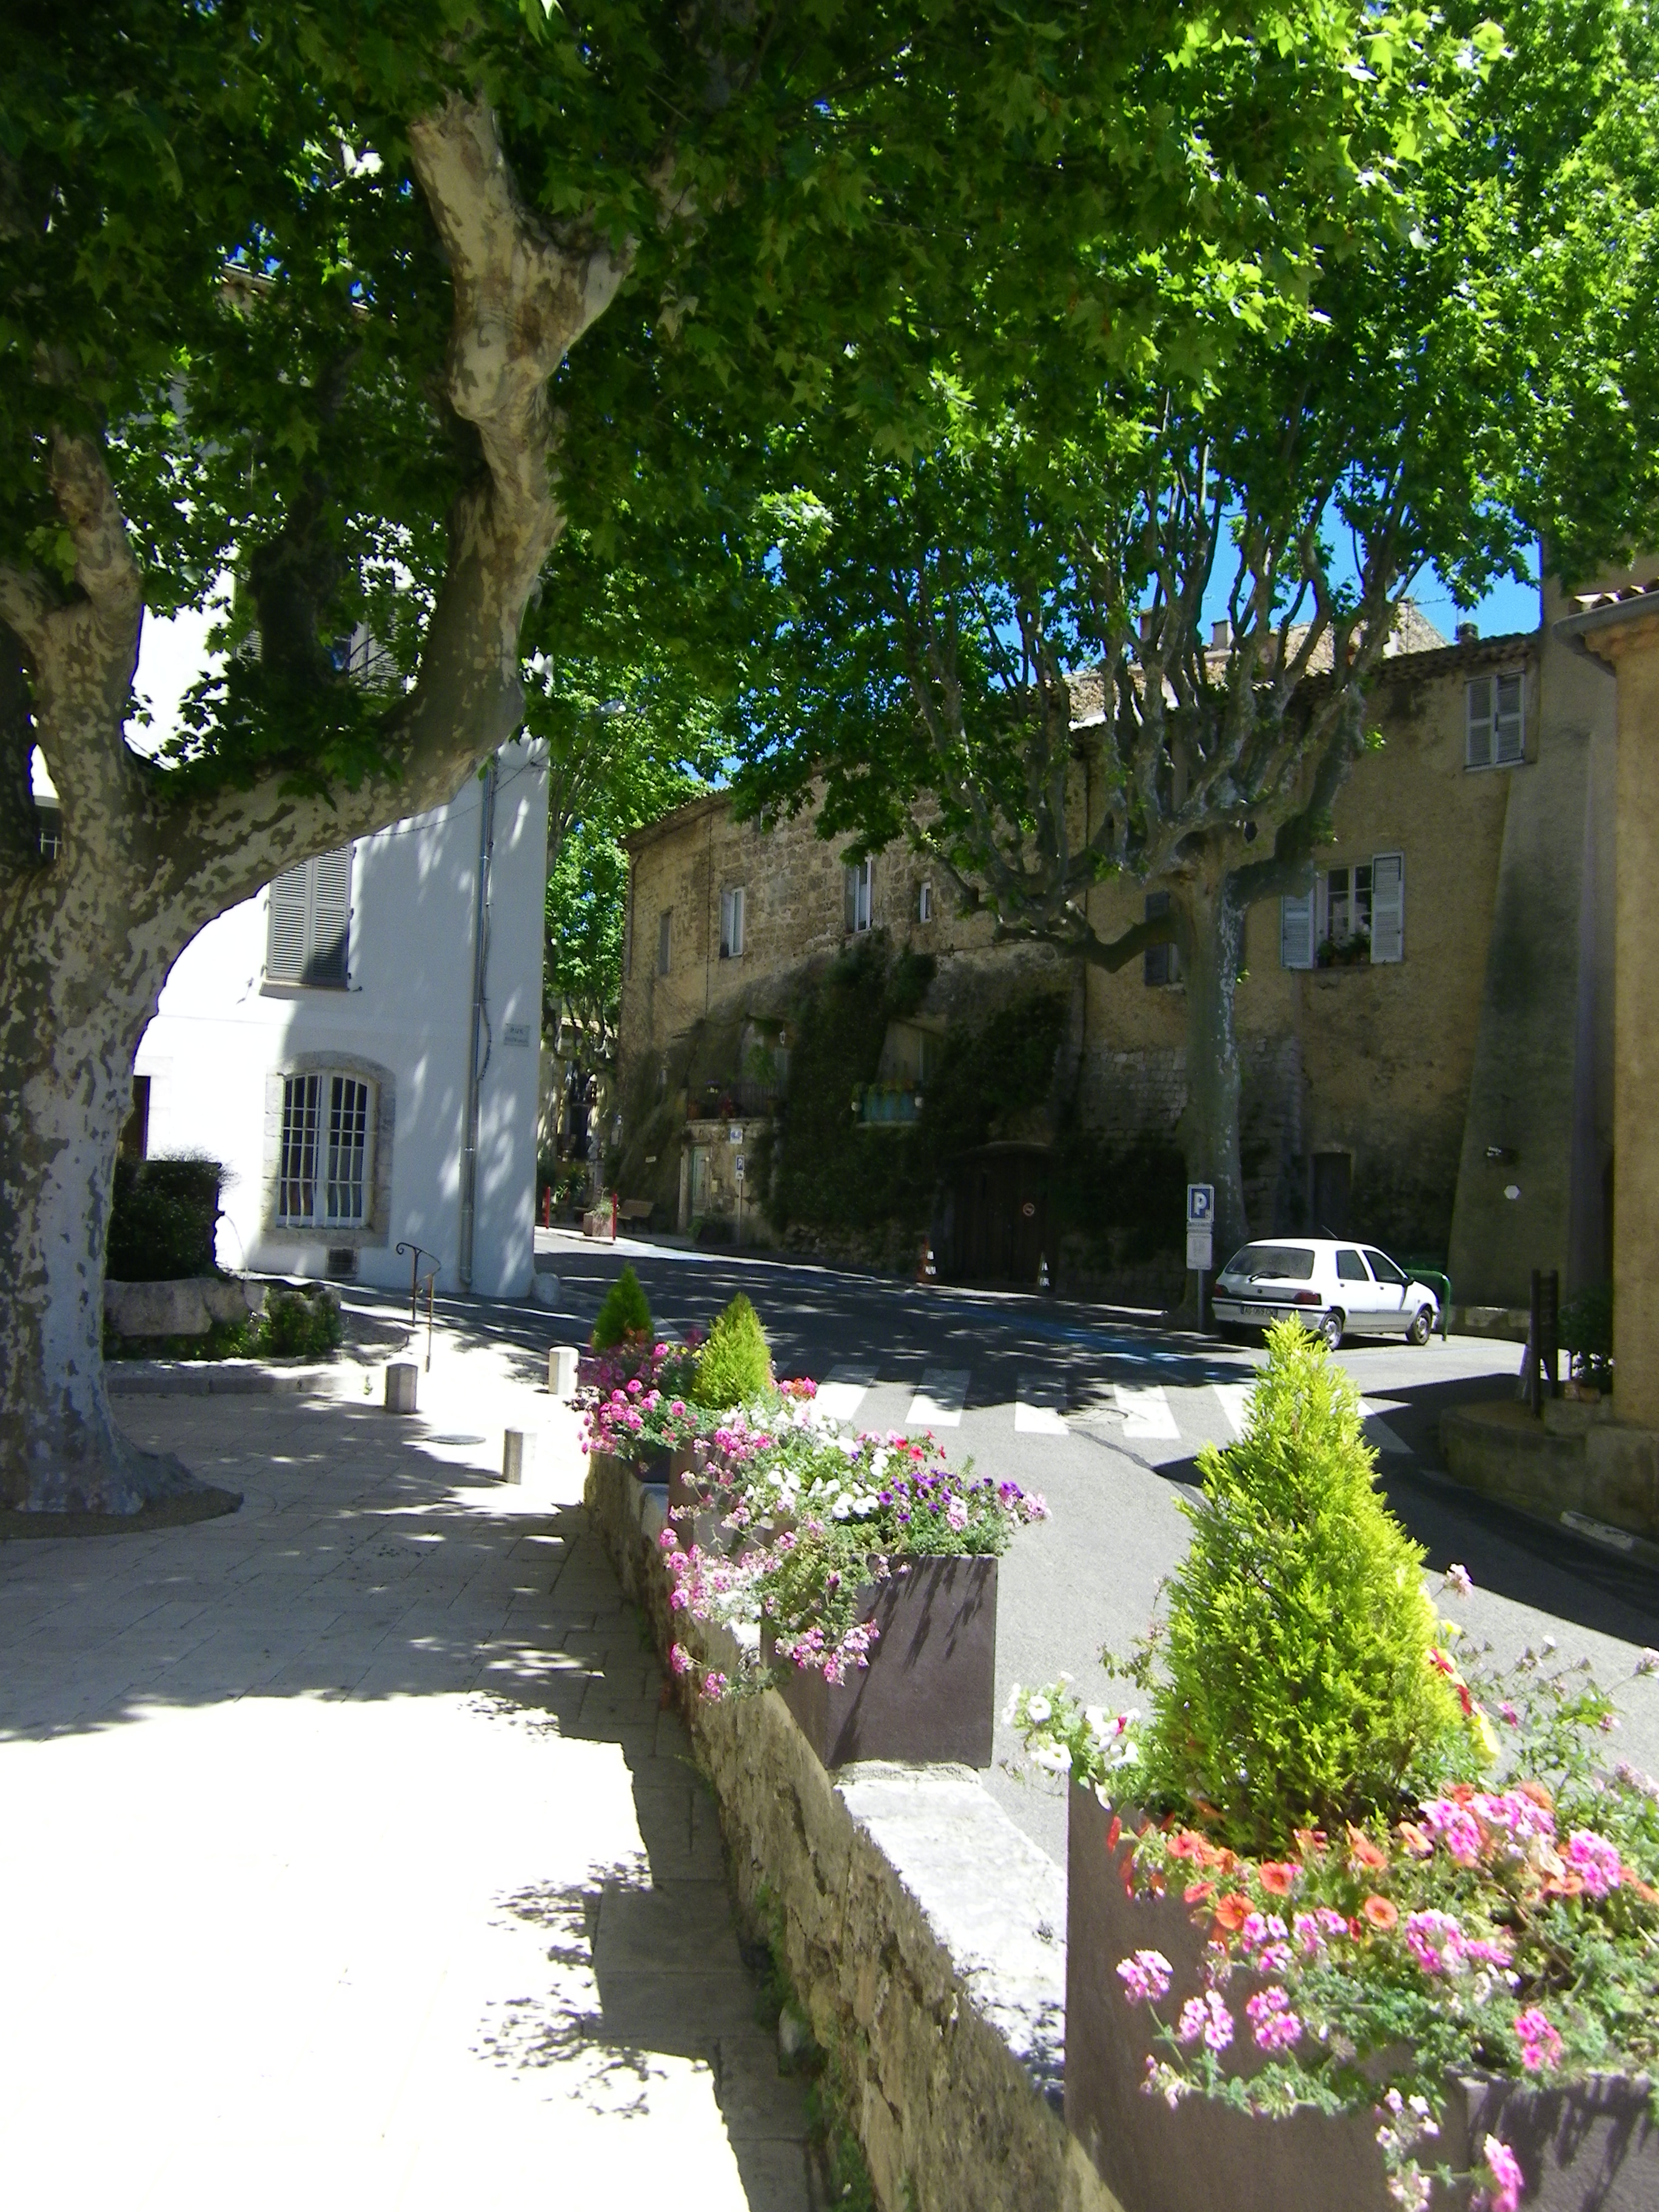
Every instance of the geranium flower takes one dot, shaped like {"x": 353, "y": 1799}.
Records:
{"x": 1595, "y": 1861}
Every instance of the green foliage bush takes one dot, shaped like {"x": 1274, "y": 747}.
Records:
{"x": 734, "y": 1367}
{"x": 1295, "y": 1686}
{"x": 300, "y": 1324}
{"x": 623, "y": 1313}
{"x": 163, "y": 1219}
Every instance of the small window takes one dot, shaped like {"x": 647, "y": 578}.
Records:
{"x": 1353, "y": 917}
{"x": 323, "y": 1166}
{"x": 1160, "y": 963}
{"x": 859, "y": 895}
{"x": 1496, "y": 732}
{"x": 1349, "y": 1268}
{"x": 310, "y": 923}
{"x": 925, "y": 903}
{"x": 665, "y": 926}
{"x": 732, "y": 924}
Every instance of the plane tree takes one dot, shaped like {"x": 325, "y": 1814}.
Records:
{"x": 363, "y": 309}
{"x": 932, "y": 615}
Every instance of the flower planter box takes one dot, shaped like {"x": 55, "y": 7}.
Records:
{"x": 1585, "y": 2146}
{"x": 928, "y": 1693}
{"x": 658, "y": 1467}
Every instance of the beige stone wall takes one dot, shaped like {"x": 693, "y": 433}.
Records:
{"x": 1376, "y": 1063}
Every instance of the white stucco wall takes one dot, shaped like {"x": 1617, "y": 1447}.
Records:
{"x": 221, "y": 1031}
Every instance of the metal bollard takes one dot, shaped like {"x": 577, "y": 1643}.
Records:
{"x": 400, "y": 1377}
{"x": 562, "y": 1370}
{"x": 518, "y": 1451}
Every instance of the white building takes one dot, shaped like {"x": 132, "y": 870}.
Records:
{"x": 360, "y": 1046}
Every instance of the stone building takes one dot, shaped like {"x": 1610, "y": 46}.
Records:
{"x": 1427, "y": 1038}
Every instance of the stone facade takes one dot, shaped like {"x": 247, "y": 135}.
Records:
{"x": 1457, "y": 1100}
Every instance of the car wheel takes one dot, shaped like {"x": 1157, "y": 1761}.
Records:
{"x": 1422, "y": 1327}
{"x": 1330, "y": 1326}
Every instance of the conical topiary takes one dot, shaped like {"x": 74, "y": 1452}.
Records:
{"x": 1297, "y": 1687}
{"x": 624, "y": 1313}
{"x": 735, "y": 1366}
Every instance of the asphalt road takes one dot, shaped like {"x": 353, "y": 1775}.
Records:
{"x": 1105, "y": 1414}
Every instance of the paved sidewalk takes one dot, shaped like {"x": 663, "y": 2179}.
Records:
{"x": 348, "y": 1857}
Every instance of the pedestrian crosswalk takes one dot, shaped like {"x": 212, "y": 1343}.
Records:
{"x": 1142, "y": 1413}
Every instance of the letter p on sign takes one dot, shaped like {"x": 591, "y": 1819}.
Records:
{"x": 1201, "y": 1204}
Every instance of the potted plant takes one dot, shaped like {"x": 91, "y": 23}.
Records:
{"x": 870, "y": 1571}
{"x": 1351, "y": 1918}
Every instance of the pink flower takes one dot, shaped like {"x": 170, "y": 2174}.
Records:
{"x": 1507, "y": 2178}
{"x": 1144, "y": 1976}
{"x": 1459, "y": 1579}
{"x": 1541, "y": 2046}
{"x": 1276, "y": 2025}
{"x": 714, "y": 1686}
{"x": 1207, "y": 2016}
{"x": 1506, "y": 1711}
{"x": 1596, "y": 1860}
{"x": 1456, "y": 1828}
{"x": 1436, "y": 1940}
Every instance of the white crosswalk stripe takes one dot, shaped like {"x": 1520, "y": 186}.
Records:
{"x": 841, "y": 1392}
{"x": 1145, "y": 1410}
{"x": 938, "y": 1403}
{"x": 1037, "y": 1403}
{"x": 1235, "y": 1403}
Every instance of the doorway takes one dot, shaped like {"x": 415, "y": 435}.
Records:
{"x": 1001, "y": 1215}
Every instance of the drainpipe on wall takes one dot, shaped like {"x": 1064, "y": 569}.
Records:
{"x": 478, "y": 1027}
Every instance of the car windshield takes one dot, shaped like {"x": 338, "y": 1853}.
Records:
{"x": 1280, "y": 1263}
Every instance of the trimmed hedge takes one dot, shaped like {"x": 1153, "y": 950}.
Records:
{"x": 163, "y": 1220}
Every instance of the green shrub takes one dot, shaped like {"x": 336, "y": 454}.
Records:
{"x": 161, "y": 1221}
{"x": 735, "y": 1366}
{"x": 624, "y": 1313}
{"x": 300, "y": 1324}
{"x": 1296, "y": 1685}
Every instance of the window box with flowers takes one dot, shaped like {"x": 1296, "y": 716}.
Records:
{"x": 868, "y": 1567}
{"x": 1384, "y": 1931}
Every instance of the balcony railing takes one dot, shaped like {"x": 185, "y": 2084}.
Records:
{"x": 878, "y": 1105}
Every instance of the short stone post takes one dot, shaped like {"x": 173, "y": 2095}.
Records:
{"x": 562, "y": 1370}
{"x": 517, "y": 1454}
{"x": 400, "y": 1386}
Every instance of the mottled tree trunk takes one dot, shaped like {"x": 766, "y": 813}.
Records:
{"x": 87, "y": 941}
{"x": 1211, "y": 939}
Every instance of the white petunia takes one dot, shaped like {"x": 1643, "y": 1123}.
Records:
{"x": 1037, "y": 1710}
{"x": 1053, "y": 1756}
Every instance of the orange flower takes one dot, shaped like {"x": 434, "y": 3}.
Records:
{"x": 1363, "y": 1852}
{"x": 1114, "y": 1832}
{"x": 1310, "y": 1842}
{"x": 1277, "y": 1879}
{"x": 1538, "y": 1793}
{"x": 1418, "y": 1841}
{"x": 1380, "y": 1911}
{"x": 1196, "y": 1892}
{"x": 1223, "y": 1860}
{"x": 1230, "y": 1910}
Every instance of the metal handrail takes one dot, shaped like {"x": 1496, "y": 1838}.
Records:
{"x": 416, "y": 1253}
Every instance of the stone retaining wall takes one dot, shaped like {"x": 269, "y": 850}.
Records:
{"x": 923, "y": 1932}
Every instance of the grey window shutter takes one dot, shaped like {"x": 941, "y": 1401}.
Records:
{"x": 328, "y": 952}
{"x": 1296, "y": 931}
{"x": 1156, "y": 963}
{"x": 850, "y": 903}
{"x": 1478, "y": 695}
{"x": 285, "y": 950}
{"x": 1508, "y": 726}
{"x": 1388, "y": 907}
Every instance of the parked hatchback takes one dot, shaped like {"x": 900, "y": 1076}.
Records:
{"x": 1329, "y": 1285}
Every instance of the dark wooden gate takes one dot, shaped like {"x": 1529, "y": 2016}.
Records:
{"x": 1001, "y": 1215}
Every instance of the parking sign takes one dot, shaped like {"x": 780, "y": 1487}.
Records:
{"x": 1201, "y": 1206}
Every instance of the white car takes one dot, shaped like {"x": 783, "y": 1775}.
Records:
{"x": 1329, "y": 1286}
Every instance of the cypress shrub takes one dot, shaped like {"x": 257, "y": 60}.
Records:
{"x": 1296, "y": 1686}
{"x": 734, "y": 1367}
{"x": 623, "y": 1313}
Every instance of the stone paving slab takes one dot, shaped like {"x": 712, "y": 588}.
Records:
{"x": 352, "y": 1858}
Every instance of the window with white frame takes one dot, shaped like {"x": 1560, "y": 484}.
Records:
{"x": 1353, "y": 917}
{"x": 310, "y": 923}
{"x": 324, "y": 1164}
{"x": 925, "y": 903}
{"x": 1496, "y": 732}
{"x": 732, "y": 923}
{"x": 860, "y": 894}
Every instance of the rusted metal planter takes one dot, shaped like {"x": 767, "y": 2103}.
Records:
{"x": 1587, "y": 2145}
{"x": 928, "y": 1693}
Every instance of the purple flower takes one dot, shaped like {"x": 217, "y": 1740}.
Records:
{"x": 1595, "y": 1860}
{"x": 1207, "y": 2016}
{"x": 1275, "y": 2025}
{"x": 1507, "y": 2178}
{"x": 1145, "y": 1976}
{"x": 1541, "y": 2046}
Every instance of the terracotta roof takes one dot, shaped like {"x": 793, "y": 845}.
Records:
{"x": 1589, "y": 602}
